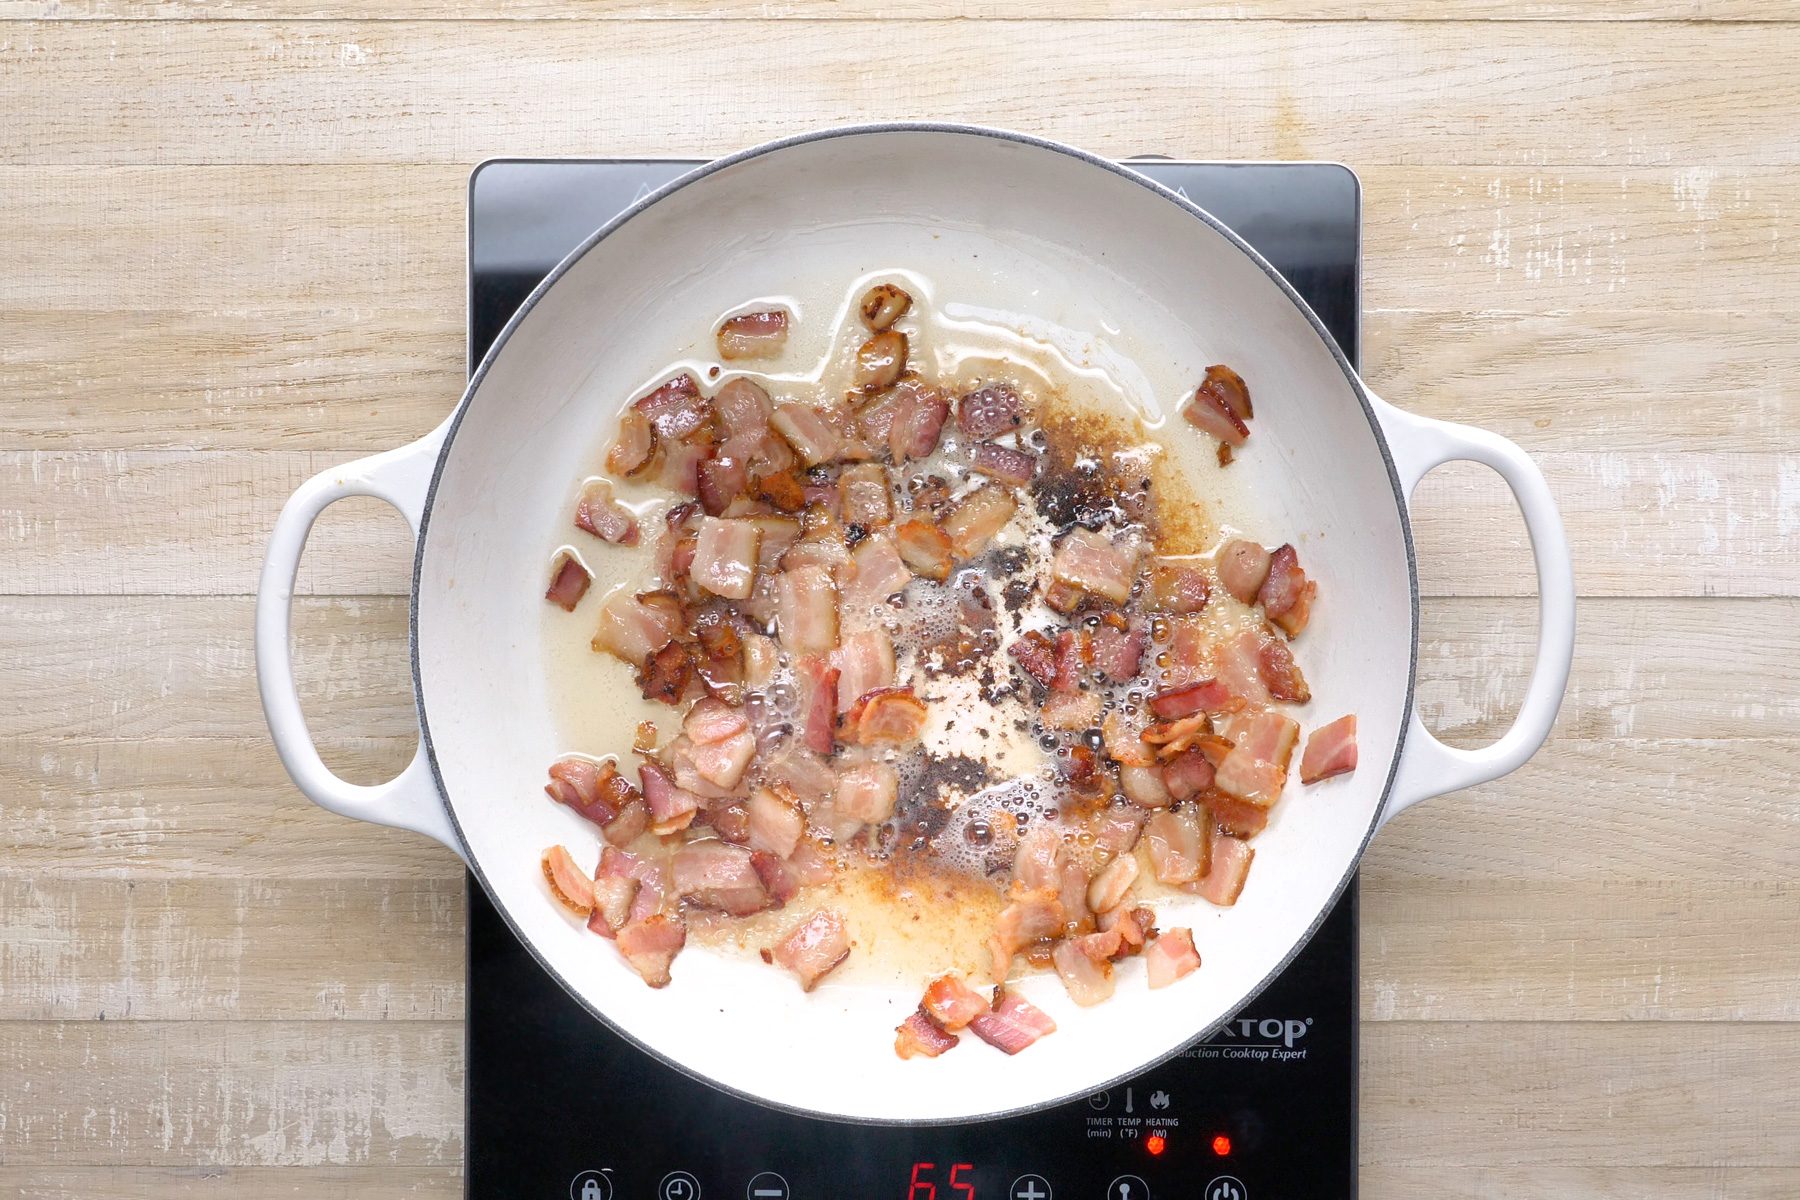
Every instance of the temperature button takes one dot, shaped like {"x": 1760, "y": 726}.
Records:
{"x": 1130, "y": 1187}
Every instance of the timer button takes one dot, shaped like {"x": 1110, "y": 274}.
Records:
{"x": 1225, "y": 1187}
{"x": 679, "y": 1185}
{"x": 1030, "y": 1187}
{"x": 1130, "y": 1187}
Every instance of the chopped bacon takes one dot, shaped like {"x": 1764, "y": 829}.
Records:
{"x": 919, "y": 1037}
{"x": 599, "y": 514}
{"x": 671, "y": 808}
{"x": 1179, "y": 588}
{"x": 680, "y": 471}
{"x": 802, "y": 772}
{"x": 568, "y": 882}
{"x": 875, "y": 419}
{"x": 1214, "y": 408}
{"x": 1037, "y": 860}
{"x": 635, "y": 447}
{"x": 951, "y": 1003}
{"x": 1170, "y": 957}
{"x": 778, "y": 877}
{"x": 867, "y": 792}
{"x": 675, "y": 408}
{"x": 1012, "y": 1023}
{"x": 730, "y": 820}
{"x": 990, "y": 411}
{"x": 725, "y": 557}
{"x": 775, "y": 821}
{"x": 815, "y": 947}
{"x": 1037, "y": 654}
{"x": 718, "y": 875}
{"x": 1231, "y": 389}
{"x": 1206, "y": 696}
{"x": 1330, "y": 750}
{"x": 1239, "y": 818}
{"x": 806, "y": 608}
{"x": 881, "y": 360}
{"x": 918, "y": 420}
{"x": 629, "y": 824}
{"x": 569, "y": 583}
{"x": 1230, "y": 867}
{"x": 784, "y": 490}
{"x": 882, "y": 305}
{"x": 1124, "y": 742}
{"x": 924, "y": 548}
{"x": 1188, "y": 774}
{"x": 813, "y": 438}
{"x": 1287, "y": 594}
{"x": 1117, "y": 829}
{"x": 1134, "y": 926}
{"x": 865, "y": 661}
{"x": 1275, "y": 662}
{"x": 1071, "y": 710}
{"x": 864, "y": 495}
{"x": 723, "y": 763}
{"x": 978, "y": 518}
{"x": 1119, "y": 653}
{"x": 1177, "y": 840}
{"x": 743, "y": 406}
{"x": 819, "y": 705}
{"x": 1096, "y": 564}
{"x": 613, "y": 896}
{"x": 753, "y": 335}
{"x": 1004, "y": 463}
{"x": 1243, "y": 566}
{"x": 719, "y": 481}
{"x": 761, "y": 656}
{"x": 618, "y": 864}
{"x": 651, "y": 944}
{"x": 1030, "y": 914}
{"x": 1074, "y": 654}
{"x": 1256, "y": 768}
{"x": 595, "y": 790}
{"x": 1178, "y": 736}
{"x": 1237, "y": 663}
{"x": 876, "y": 572}
{"x": 891, "y": 714}
{"x": 1144, "y": 787}
{"x": 666, "y": 673}
{"x": 1086, "y": 973}
{"x": 713, "y": 721}
{"x": 1108, "y": 889}
{"x": 1186, "y": 660}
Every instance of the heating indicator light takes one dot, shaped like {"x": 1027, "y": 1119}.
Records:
{"x": 1156, "y": 1143}
{"x": 1221, "y": 1145}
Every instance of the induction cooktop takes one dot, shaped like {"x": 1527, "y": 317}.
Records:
{"x": 560, "y": 1106}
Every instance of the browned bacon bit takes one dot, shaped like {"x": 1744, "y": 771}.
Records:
{"x": 1206, "y": 696}
{"x": 599, "y": 514}
{"x": 887, "y": 715}
{"x": 1188, "y": 774}
{"x": 1221, "y": 405}
{"x": 753, "y": 335}
{"x": 1242, "y": 568}
{"x": 924, "y": 548}
{"x": 1063, "y": 597}
{"x": 1012, "y": 1023}
{"x": 651, "y": 944}
{"x": 1074, "y": 655}
{"x": 629, "y": 825}
{"x": 676, "y": 409}
{"x": 1037, "y": 654}
{"x": 951, "y": 1003}
{"x": 1239, "y": 818}
{"x": 667, "y": 673}
{"x": 635, "y": 447}
{"x": 919, "y": 416}
{"x": 568, "y": 882}
{"x": 1331, "y": 750}
{"x": 1123, "y": 742}
{"x": 644, "y": 741}
{"x": 815, "y": 947}
{"x": 880, "y": 360}
{"x": 1118, "y": 653}
{"x": 1076, "y": 764}
{"x": 778, "y": 877}
{"x": 568, "y": 583}
{"x": 631, "y": 629}
{"x": 1224, "y": 882}
{"x": 1170, "y": 957}
{"x": 919, "y": 1037}
{"x": 783, "y": 490}
{"x": 1179, "y": 588}
{"x": 989, "y": 411}
{"x": 719, "y": 480}
{"x": 575, "y": 782}
{"x": 1230, "y": 387}
{"x": 1224, "y": 455}
{"x": 1004, "y": 463}
{"x": 672, "y": 809}
{"x": 1287, "y": 594}
{"x": 1281, "y": 673}
{"x": 882, "y": 305}
{"x": 1173, "y": 737}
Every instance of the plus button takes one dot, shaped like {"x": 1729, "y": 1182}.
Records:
{"x": 1031, "y": 1187}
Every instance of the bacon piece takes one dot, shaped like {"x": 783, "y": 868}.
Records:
{"x": 680, "y": 471}
{"x": 810, "y": 865}
{"x": 1239, "y": 818}
{"x": 725, "y": 557}
{"x": 1071, "y": 710}
{"x": 1206, "y": 696}
{"x": 1086, "y": 973}
{"x": 881, "y": 360}
{"x": 723, "y": 763}
{"x": 711, "y": 720}
{"x": 1074, "y": 655}
{"x": 1170, "y": 957}
{"x": 1037, "y": 862}
{"x": 1243, "y": 566}
{"x": 1119, "y": 653}
{"x": 1256, "y": 768}
{"x": 718, "y": 875}
{"x": 1179, "y": 588}
{"x": 919, "y": 1037}
{"x": 875, "y": 419}
{"x": 1187, "y": 659}
{"x": 743, "y": 407}
{"x": 813, "y": 438}
{"x": 1213, "y": 408}
{"x": 876, "y": 572}
{"x": 819, "y": 704}
{"x": 1117, "y": 829}
{"x": 783, "y": 490}
{"x": 612, "y": 903}
{"x": 1004, "y": 463}
{"x": 595, "y": 790}
{"x": 719, "y": 481}
{"x": 882, "y": 305}
{"x": 1281, "y": 673}
{"x": 1188, "y": 774}
{"x": 1037, "y": 654}
{"x": 568, "y": 583}
{"x": 781, "y": 880}
{"x": 1231, "y": 389}
{"x": 1144, "y": 787}
{"x": 776, "y": 822}
{"x": 806, "y": 610}
{"x": 1178, "y": 845}
{"x": 619, "y": 864}
{"x": 891, "y": 714}
{"x": 865, "y": 661}
{"x": 864, "y": 495}
{"x": 1123, "y": 741}
{"x": 672, "y": 808}
{"x": 990, "y": 411}
{"x": 801, "y": 772}
{"x": 867, "y": 792}
{"x": 919, "y": 416}
{"x": 650, "y": 946}
{"x": 1231, "y": 860}
{"x": 1012, "y": 1023}
{"x": 729, "y": 819}
{"x": 568, "y": 882}
{"x": 815, "y": 947}
{"x": 1287, "y": 594}
{"x": 1237, "y": 663}
{"x": 676, "y": 409}
{"x": 599, "y": 514}
{"x": 1096, "y": 564}
{"x": 666, "y": 673}
{"x": 1109, "y": 888}
{"x": 1330, "y": 750}
{"x": 753, "y": 335}
{"x": 951, "y": 1003}
{"x": 629, "y": 824}
{"x": 1135, "y": 926}
{"x": 1030, "y": 915}
{"x": 924, "y": 548}
{"x": 636, "y": 444}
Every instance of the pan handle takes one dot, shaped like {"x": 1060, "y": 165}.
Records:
{"x": 410, "y": 800}
{"x": 1427, "y": 767}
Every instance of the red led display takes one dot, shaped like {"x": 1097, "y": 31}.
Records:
{"x": 923, "y": 1183}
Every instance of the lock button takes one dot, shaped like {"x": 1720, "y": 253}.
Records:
{"x": 591, "y": 1185}
{"x": 591, "y": 1190}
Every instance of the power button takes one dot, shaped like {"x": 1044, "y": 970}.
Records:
{"x": 1226, "y": 1188}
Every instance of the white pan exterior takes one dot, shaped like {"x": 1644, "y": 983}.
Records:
{"x": 1105, "y": 247}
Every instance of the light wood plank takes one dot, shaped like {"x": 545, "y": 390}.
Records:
{"x": 232, "y": 1093}
{"x": 232, "y": 1183}
{"x": 97, "y": 522}
{"x": 1444, "y": 93}
{"x": 251, "y": 949}
{"x": 1532, "y": 1181}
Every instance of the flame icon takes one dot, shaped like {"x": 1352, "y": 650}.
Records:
{"x": 1159, "y": 1099}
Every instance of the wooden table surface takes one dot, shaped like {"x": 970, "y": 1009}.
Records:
{"x": 231, "y": 254}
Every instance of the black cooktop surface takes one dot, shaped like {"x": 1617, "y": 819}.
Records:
{"x": 560, "y": 1106}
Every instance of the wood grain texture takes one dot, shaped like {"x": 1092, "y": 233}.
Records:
{"x": 233, "y": 1183}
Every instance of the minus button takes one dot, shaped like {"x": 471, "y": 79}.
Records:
{"x": 767, "y": 1186}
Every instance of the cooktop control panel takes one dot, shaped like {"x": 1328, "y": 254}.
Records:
{"x": 560, "y": 1106}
